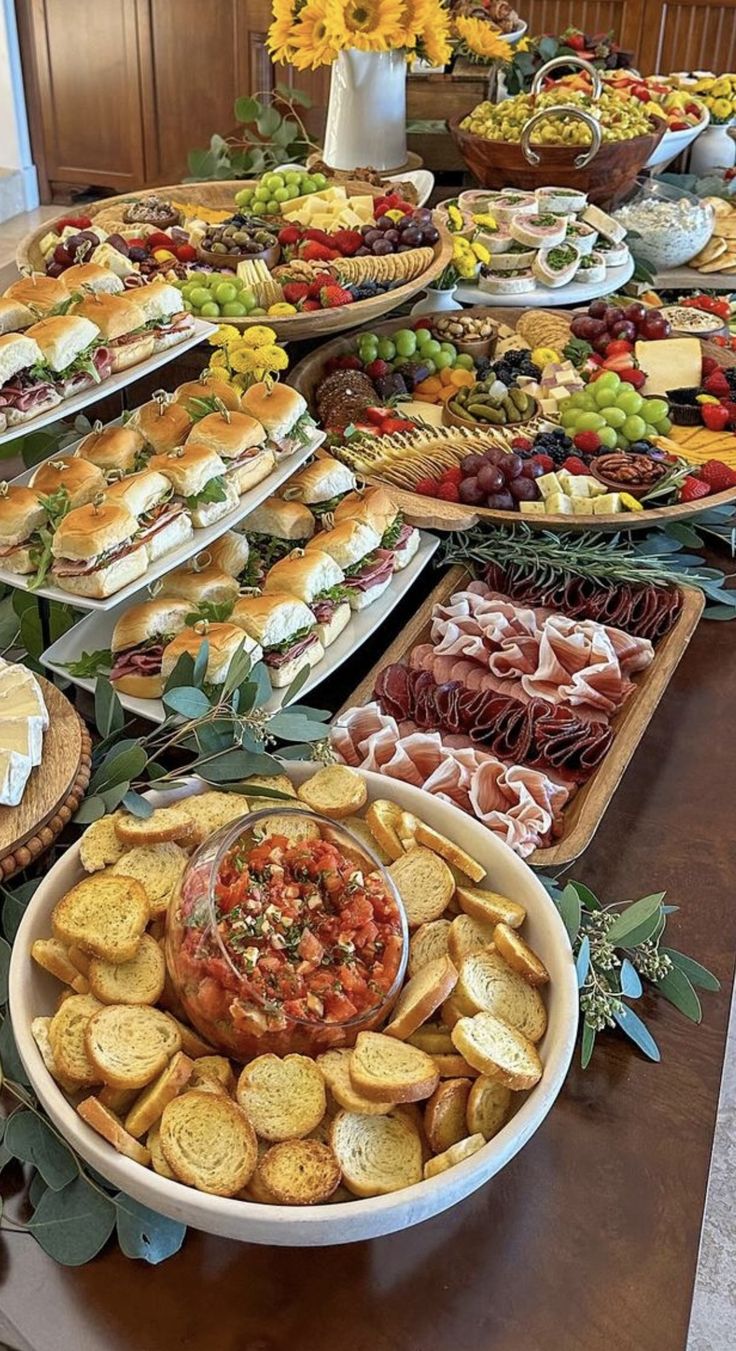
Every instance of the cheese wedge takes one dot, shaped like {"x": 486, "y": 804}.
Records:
{"x": 670, "y": 363}
{"x": 24, "y": 735}
{"x": 15, "y": 770}
{"x": 23, "y": 703}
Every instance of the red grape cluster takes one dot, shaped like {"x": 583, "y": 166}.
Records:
{"x": 498, "y": 479}
{"x": 604, "y": 324}
{"x": 413, "y": 231}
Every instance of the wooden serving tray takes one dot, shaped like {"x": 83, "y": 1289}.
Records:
{"x": 582, "y": 818}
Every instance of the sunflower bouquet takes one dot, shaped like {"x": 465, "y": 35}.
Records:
{"x": 310, "y": 33}
{"x": 244, "y": 359}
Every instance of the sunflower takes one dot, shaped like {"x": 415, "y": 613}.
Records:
{"x": 435, "y": 43}
{"x": 481, "y": 40}
{"x": 414, "y": 20}
{"x": 313, "y": 35}
{"x": 369, "y": 25}
{"x": 279, "y": 40}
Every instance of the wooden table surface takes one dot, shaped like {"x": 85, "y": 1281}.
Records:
{"x": 588, "y": 1240}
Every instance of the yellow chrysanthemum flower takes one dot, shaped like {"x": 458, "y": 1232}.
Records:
{"x": 481, "y": 39}
{"x": 369, "y": 25}
{"x": 313, "y": 35}
{"x": 273, "y": 358}
{"x": 224, "y": 335}
{"x": 260, "y": 335}
{"x": 219, "y": 364}
{"x": 245, "y": 362}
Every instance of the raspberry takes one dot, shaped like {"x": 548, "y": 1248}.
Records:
{"x": 454, "y": 475}
{"x": 588, "y": 442}
{"x": 546, "y": 462}
{"x": 521, "y": 443}
{"x": 428, "y": 487}
{"x": 716, "y": 383}
{"x": 376, "y": 369}
{"x": 448, "y": 492}
{"x": 573, "y": 464}
{"x": 693, "y": 488}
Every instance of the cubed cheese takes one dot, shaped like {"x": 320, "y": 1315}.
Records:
{"x": 582, "y": 506}
{"x": 106, "y": 256}
{"x": 558, "y": 504}
{"x": 596, "y": 488}
{"x": 532, "y": 508}
{"x": 549, "y": 406}
{"x": 362, "y": 204}
{"x": 548, "y": 484}
{"x": 15, "y": 770}
{"x": 49, "y": 242}
{"x": 607, "y": 504}
{"x": 579, "y": 486}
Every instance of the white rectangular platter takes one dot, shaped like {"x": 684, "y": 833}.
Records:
{"x": 94, "y": 633}
{"x": 114, "y": 383}
{"x": 198, "y": 541}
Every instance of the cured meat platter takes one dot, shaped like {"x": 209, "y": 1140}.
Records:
{"x": 552, "y": 746}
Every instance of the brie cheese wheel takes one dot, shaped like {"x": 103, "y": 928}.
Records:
{"x": 14, "y": 773}
{"x": 23, "y": 702}
{"x": 24, "y": 735}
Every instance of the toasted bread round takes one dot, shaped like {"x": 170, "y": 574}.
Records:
{"x": 80, "y": 959}
{"x": 424, "y": 883}
{"x": 53, "y": 956}
{"x": 285, "y": 1099}
{"x": 444, "y": 1115}
{"x": 511, "y": 946}
{"x": 498, "y": 1050}
{"x": 209, "y": 1142}
{"x": 383, "y": 817}
{"x": 99, "y": 845}
{"x": 147, "y": 1109}
{"x": 421, "y": 996}
{"x": 159, "y": 1162}
{"x": 335, "y": 1066}
{"x": 295, "y": 830}
{"x": 455, "y": 1154}
{"x": 158, "y": 868}
{"x": 449, "y": 851}
{"x": 104, "y": 916}
{"x": 67, "y": 1031}
{"x": 119, "y": 1100}
{"x": 489, "y": 907}
{"x": 335, "y": 791}
{"x": 434, "y": 1038}
{"x": 428, "y": 942}
{"x": 102, "y": 1120}
{"x": 468, "y": 935}
{"x": 209, "y": 812}
{"x": 164, "y": 823}
{"x": 129, "y": 1045}
{"x": 257, "y": 1190}
{"x": 377, "y": 1154}
{"x": 139, "y": 981}
{"x": 40, "y": 1033}
{"x": 214, "y": 1069}
{"x": 191, "y": 1043}
{"x": 487, "y": 983}
{"x": 300, "y": 1172}
{"x": 386, "y": 1070}
{"x": 488, "y": 1106}
{"x": 450, "y": 1065}
{"x": 451, "y": 1012}
{"x": 364, "y": 835}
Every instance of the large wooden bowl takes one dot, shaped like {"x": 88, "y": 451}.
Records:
{"x": 221, "y": 196}
{"x": 433, "y": 514}
{"x": 607, "y": 178}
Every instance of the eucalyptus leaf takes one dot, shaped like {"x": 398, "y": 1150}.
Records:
{"x": 91, "y": 810}
{"x": 12, "y": 914}
{"x": 137, "y": 805}
{"x": 697, "y": 975}
{"x": 144, "y": 1233}
{"x": 298, "y": 683}
{"x": 73, "y": 1225}
{"x": 299, "y": 752}
{"x": 587, "y": 898}
{"x": 247, "y": 109}
{"x": 582, "y": 961}
{"x": 4, "y": 966}
{"x": 156, "y": 771}
{"x": 647, "y": 931}
{"x": 676, "y": 988}
{"x": 189, "y": 702}
{"x": 200, "y": 664}
{"x": 109, "y": 715}
{"x": 628, "y": 920}
{"x": 294, "y": 726}
{"x": 570, "y": 911}
{"x": 12, "y": 1065}
{"x": 30, "y": 1138}
{"x": 233, "y": 765}
{"x": 588, "y": 1042}
{"x": 268, "y": 121}
{"x": 213, "y": 736}
{"x": 259, "y": 673}
{"x": 182, "y": 674}
{"x": 36, "y": 1189}
{"x": 632, "y": 1025}
{"x": 112, "y": 797}
{"x": 247, "y": 694}
{"x": 125, "y": 762}
{"x": 630, "y": 980}
{"x": 238, "y": 670}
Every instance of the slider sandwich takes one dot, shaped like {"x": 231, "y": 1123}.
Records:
{"x": 202, "y": 588}
{"x": 15, "y": 316}
{"x": 198, "y": 396}
{"x": 90, "y": 277}
{"x": 162, "y": 424}
{"x": 115, "y": 450}
{"x": 25, "y": 385}
{"x": 377, "y": 507}
{"x": 122, "y": 324}
{"x": 286, "y": 629}
{"x": 73, "y": 350}
{"x": 321, "y": 486}
{"x": 138, "y": 643}
{"x": 356, "y": 548}
{"x": 200, "y": 477}
{"x": 284, "y": 414}
{"x": 224, "y": 641}
{"x": 40, "y": 293}
{"x": 316, "y": 579}
{"x": 240, "y": 441}
{"x": 230, "y": 553}
{"x": 273, "y": 531}
{"x": 80, "y": 480}
{"x": 164, "y": 314}
{"x": 22, "y": 515}
{"x": 96, "y": 550}
{"x": 163, "y": 520}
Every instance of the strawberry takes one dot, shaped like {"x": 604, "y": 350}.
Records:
{"x": 589, "y": 443}
{"x": 290, "y": 234}
{"x": 347, "y": 241}
{"x": 633, "y": 377}
{"x": 709, "y": 365}
{"x": 679, "y": 126}
{"x": 573, "y": 464}
{"x": 615, "y": 348}
{"x": 310, "y": 305}
{"x": 316, "y": 284}
{"x": 314, "y": 252}
{"x": 717, "y": 475}
{"x": 545, "y": 461}
{"x": 620, "y": 363}
{"x": 715, "y": 416}
{"x": 428, "y": 487}
{"x": 377, "y": 368}
{"x": 375, "y": 413}
{"x": 693, "y": 488}
{"x": 521, "y": 443}
{"x": 397, "y": 424}
{"x": 448, "y": 492}
{"x": 295, "y": 290}
{"x": 716, "y": 383}
{"x": 453, "y": 475}
{"x": 318, "y": 236}
{"x": 731, "y": 406}
{"x": 335, "y": 295}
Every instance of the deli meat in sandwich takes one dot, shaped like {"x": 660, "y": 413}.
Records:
{"x": 321, "y": 486}
{"x": 316, "y": 579}
{"x": 240, "y": 441}
{"x": 163, "y": 520}
{"x": 122, "y": 324}
{"x": 96, "y": 551}
{"x": 26, "y": 387}
{"x": 164, "y": 314}
{"x": 355, "y": 546}
{"x": 198, "y": 475}
{"x": 73, "y": 352}
{"x": 22, "y": 515}
{"x": 286, "y": 629}
{"x": 284, "y": 414}
{"x": 376, "y": 506}
{"x": 273, "y": 531}
{"x": 138, "y": 643}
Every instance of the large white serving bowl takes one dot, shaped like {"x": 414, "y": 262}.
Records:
{"x": 673, "y": 143}
{"x": 34, "y": 992}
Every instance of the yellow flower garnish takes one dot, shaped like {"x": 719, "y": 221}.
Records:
{"x": 258, "y": 336}
{"x": 485, "y": 219}
{"x": 224, "y": 335}
{"x": 481, "y": 39}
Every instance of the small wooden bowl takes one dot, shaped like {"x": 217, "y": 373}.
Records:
{"x": 616, "y": 486}
{"x": 268, "y": 256}
{"x": 451, "y": 419}
{"x": 163, "y": 223}
{"x": 477, "y": 349}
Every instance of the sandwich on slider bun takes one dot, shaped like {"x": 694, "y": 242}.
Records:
{"x": 284, "y": 414}
{"x": 22, "y": 515}
{"x": 96, "y": 550}
{"x": 376, "y": 506}
{"x": 138, "y": 643}
{"x": 316, "y": 579}
{"x": 199, "y": 477}
{"x": 161, "y": 423}
{"x": 39, "y": 292}
{"x": 356, "y": 548}
{"x": 115, "y": 450}
{"x": 121, "y": 322}
{"x": 230, "y": 553}
{"x": 26, "y": 388}
{"x": 240, "y": 441}
{"x": 286, "y": 630}
{"x": 202, "y": 588}
{"x": 163, "y": 520}
{"x": 224, "y": 641}
{"x": 321, "y": 486}
{"x": 273, "y": 530}
{"x": 90, "y": 277}
{"x": 198, "y": 396}
{"x": 15, "y": 316}
{"x": 164, "y": 314}
{"x": 79, "y": 479}
{"x": 73, "y": 352}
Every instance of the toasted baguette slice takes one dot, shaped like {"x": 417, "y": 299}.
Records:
{"x": 54, "y": 957}
{"x": 119, "y": 1100}
{"x": 80, "y": 959}
{"x": 364, "y": 835}
{"x": 300, "y": 1172}
{"x": 444, "y": 1115}
{"x": 487, "y": 983}
{"x": 139, "y": 981}
{"x": 335, "y": 791}
{"x": 164, "y": 823}
{"x": 214, "y": 1069}
{"x": 279, "y": 783}
{"x": 421, "y": 996}
{"x": 102, "y": 1120}
{"x": 449, "y": 851}
{"x": 158, "y": 868}
{"x": 209, "y": 812}
{"x": 104, "y": 915}
{"x": 208, "y": 1142}
{"x": 498, "y": 1050}
{"x": 489, "y": 907}
{"x": 191, "y": 1043}
{"x": 455, "y": 1154}
{"x": 424, "y": 883}
{"x": 386, "y": 1070}
{"x": 67, "y": 1031}
{"x": 99, "y": 845}
{"x": 383, "y": 818}
{"x": 129, "y": 1045}
{"x": 158, "y": 1158}
{"x": 488, "y": 1106}
{"x": 257, "y": 1190}
{"x": 434, "y": 1038}
{"x": 285, "y": 1099}
{"x": 468, "y": 935}
{"x": 377, "y": 1154}
{"x": 292, "y": 827}
{"x": 428, "y": 942}
{"x": 335, "y": 1066}
{"x": 453, "y": 1066}
{"x": 451, "y": 1012}
{"x": 147, "y": 1109}
{"x": 519, "y": 955}
{"x": 40, "y": 1033}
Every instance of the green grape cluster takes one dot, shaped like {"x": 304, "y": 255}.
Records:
{"x": 616, "y": 412}
{"x": 273, "y": 190}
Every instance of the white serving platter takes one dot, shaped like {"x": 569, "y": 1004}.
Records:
{"x": 673, "y": 143}
{"x": 422, "y": 179}
{"x": 94, "y": 633}
{"x": 198, "y": 541}
{"x": 549, "y": 297}
{"x": 79, "y": 402}
{"x": 33, "y": 992}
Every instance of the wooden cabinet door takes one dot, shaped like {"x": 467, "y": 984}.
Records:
{"x": 689, "y": 35}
